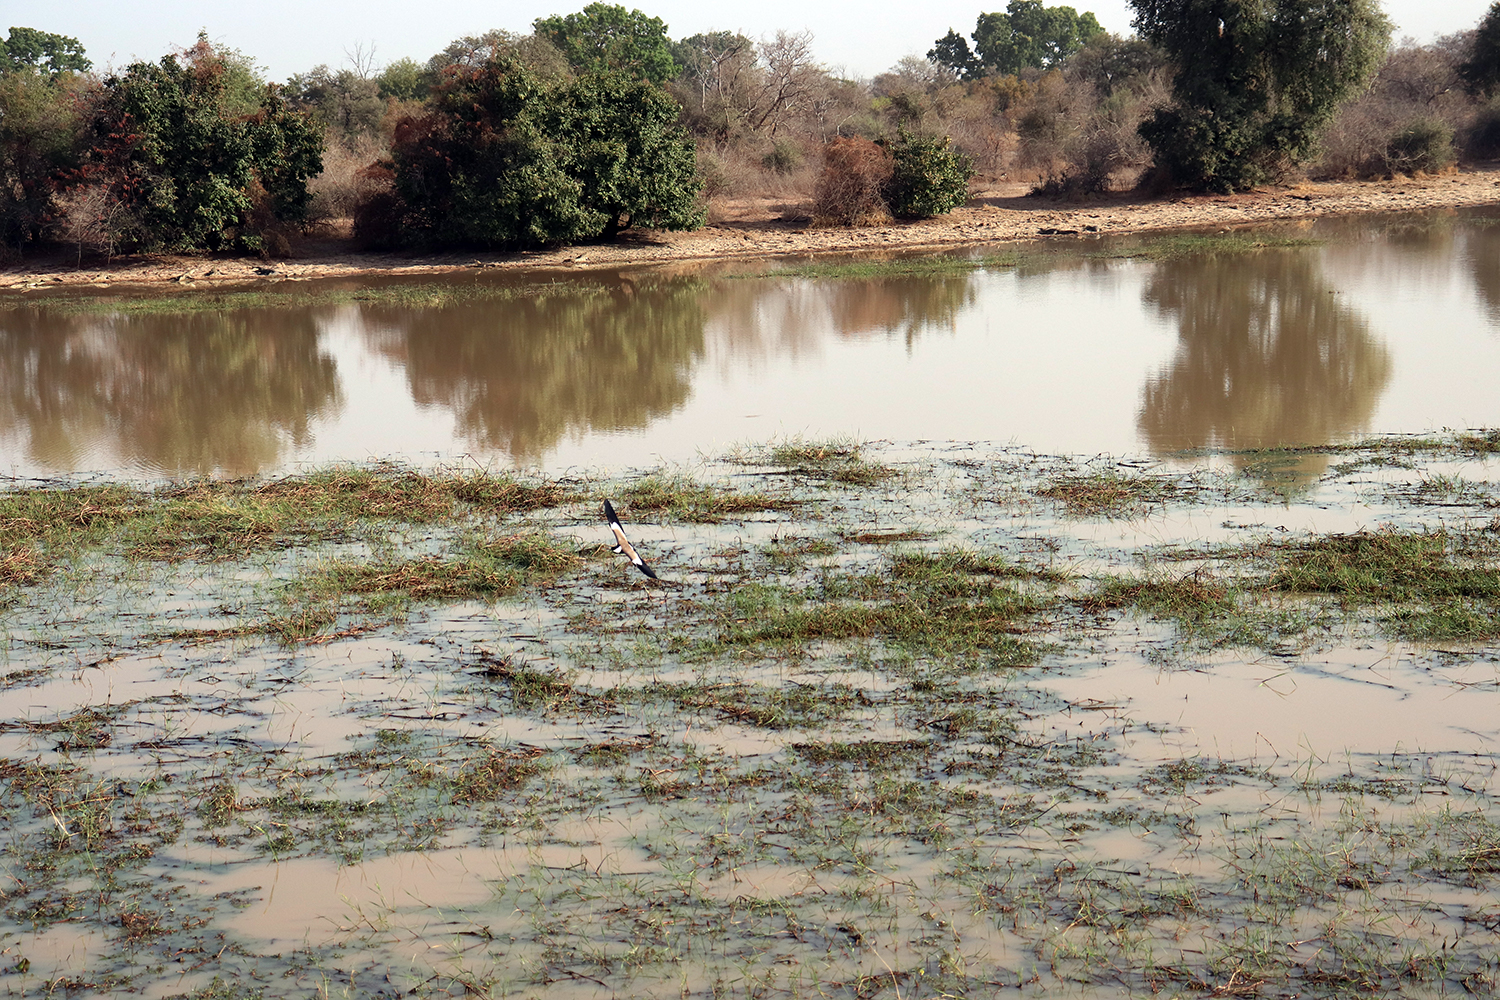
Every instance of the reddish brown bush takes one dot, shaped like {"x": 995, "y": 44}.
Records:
{"x": 855, "y": 172}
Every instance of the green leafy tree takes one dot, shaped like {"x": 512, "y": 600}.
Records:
{"x": 952, "y": 50}
{"x": 28, "y": 48}
{"x": 535, "y": 52}
{"x": 39, "y": 140}
{"x": 168, "y": 142}
{"x": 1027, "y": 35}
{"x": 1256, "y": 81}
{"x": 1480, "y": 72}
{"x": 403, "y": 80}
{"x": 608, "y": 38}
{"x": 345, "y": 103}
{"x": 510, "y": 158}
{"x": 928, "y": 176}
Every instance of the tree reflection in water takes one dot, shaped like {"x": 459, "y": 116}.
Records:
{"x": 520, "y": 374}
{"x": 1482, "y": 255}
{"x": 1267, "y": 356}
{"x": 171, "y": 395}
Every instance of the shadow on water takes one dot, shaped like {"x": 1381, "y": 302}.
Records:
{"x": 1267, "y": 357}
{"x": 178, "y": 395}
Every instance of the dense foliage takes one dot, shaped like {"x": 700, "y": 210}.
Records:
{"x": 912, "y": 176}
{"x": 1480, "y": 72}
{"x": 38, "y": 142}
{"x": 1027, "y": 36}
{"x": 597, "y": 121}
{"x": 183, "y": 167}
{"x": 1256, "y": 81}
{"x": 507, "y": 158}
{"x": 28, "y": 48}
{"x": 928, "y": 176}
{"x": 604, "y": 38}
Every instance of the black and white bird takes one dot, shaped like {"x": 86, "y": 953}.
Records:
{"x": 622, "y": 544}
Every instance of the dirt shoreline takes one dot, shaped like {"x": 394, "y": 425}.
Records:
{"x": 766, "y": 227}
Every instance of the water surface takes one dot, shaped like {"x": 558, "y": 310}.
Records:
{"x": 1386, "y": 324}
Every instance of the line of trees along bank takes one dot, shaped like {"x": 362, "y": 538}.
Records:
{"x": 598, "y": 121}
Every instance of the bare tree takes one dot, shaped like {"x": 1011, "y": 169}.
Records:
{"x": 89, "y": 216}
{"x": 788, "y": 78}
{"x": 361, "y": 60}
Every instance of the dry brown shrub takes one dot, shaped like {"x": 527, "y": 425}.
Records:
{"x": 336, "y": 192}
{"x": 90, "y": 217}
{"x": 855, "y": 172}
{"x": 1416, "y": 88}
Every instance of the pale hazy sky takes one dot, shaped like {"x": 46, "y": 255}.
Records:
{"x": 288, "y": 37}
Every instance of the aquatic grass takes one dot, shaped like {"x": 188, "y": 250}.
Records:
{"x": 796, "y": 707}
{"x": 483, "y": 568}
{"x": 1112, "y": 495}
{"x": 1447, "y": 621}
{"x": 1485, "y": 442}
{"x": 942, "y": 569}
{"x": 687, "y": 499}
{"x": 1193, "y": 597}
{"x": 869, "y": 777}
{"x": 926, "y": 614}
{"x": 1388, "y": 565}
{"x": 492, "y": 772}
{"x": 1442, "y": 490}
{"x": 1177, "y": 246}
{"x": 868, "y": 752}
{"x": 441, "y": 292}
{"x": 837, "y": 459}
{"x": 214, "y": 521}
{"x": 905, "y": 266}
{"x": 89, "y": 728}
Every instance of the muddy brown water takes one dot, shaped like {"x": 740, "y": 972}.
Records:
{"x": 1389, "y": 325}
{"x": 1135, "y": 824}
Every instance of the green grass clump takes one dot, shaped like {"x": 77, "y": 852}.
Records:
{"x": 839, "y": 460}
{"x": 482, "y": 569}
{"x": 1177, "y": 246}
{"x": 215, "y": 521}
{"x": 491, "y": 773}
{"x": 1109, "y": 494}
{"x": 946, "y": 570}
{"x": 926, "y": 605}
{"x": 1486, "y": 442}
{"x": 1191, "y": 598}
{"x": 1387, "y": 566}
{"x": 796, "y": 707}
{"x": 689, "y": 500}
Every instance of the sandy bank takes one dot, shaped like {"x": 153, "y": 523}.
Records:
{"x": 759, "y": 228}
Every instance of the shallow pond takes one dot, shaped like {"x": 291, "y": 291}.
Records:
{"x": 1079, "y": 346}
{"x": 1148, "y": 700}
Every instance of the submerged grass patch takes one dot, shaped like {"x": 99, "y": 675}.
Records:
{"x": 807, "y": 766}
{"x": 943, "y": 605}
{"x": 838, "y": 460}
{"x": 689, "y": 500}
{"x": 211, "y": 520}
{"x": 1390, "y": 565}
{"x": 449, "y": 290}
{"x": 892, "y": 267}
{"x": 1176, "y": 246}
{"x": 1110, "y": 494}
{"x": 481, "y": 568}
